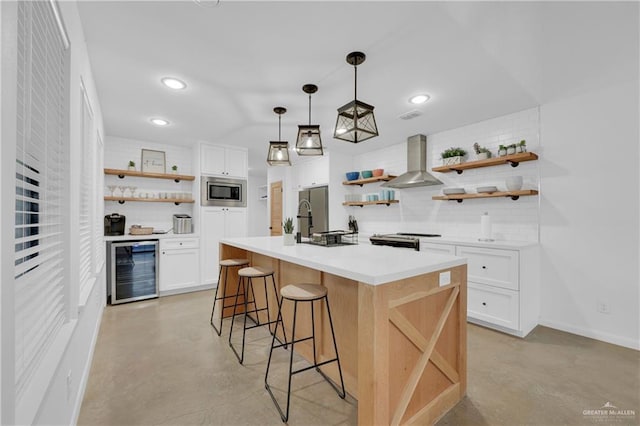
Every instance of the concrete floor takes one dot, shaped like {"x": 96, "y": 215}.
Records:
{"x": 160, "y": 362}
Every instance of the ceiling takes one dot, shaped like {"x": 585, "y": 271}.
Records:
{"x": 240, "y": 59}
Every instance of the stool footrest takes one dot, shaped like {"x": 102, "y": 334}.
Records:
{"x": 295, "y": 341}
{"x": 259, "y": 324}
{"x": 320, "y": 364}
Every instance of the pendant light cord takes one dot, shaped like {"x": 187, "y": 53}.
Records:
{"x": 309, "y": 109}
{"x": 279, "y": 132}
{"x": 355, "y": 87}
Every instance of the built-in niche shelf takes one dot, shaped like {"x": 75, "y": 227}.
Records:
{"x": 134, "y": 173}
{"x": 369, "y": 203}
{"x": 383, "y": 178}
{"x": 513, "y": 159}
{"x": 176, "y": 201}
{"x": 514, "y": 195}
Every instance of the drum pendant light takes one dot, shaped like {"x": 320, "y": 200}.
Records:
{"x": 309, "y": 141}
{"x": 356, "y": 122}
{"x": 279, "y": 150}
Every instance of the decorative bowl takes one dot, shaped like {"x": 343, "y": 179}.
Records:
{"x": 352, "y": 175}
{"x": 378, "y": 172}
{"x": 366, "y": 174}
{"x": 486, "y": 189}
{"x": 514, "y": 183}
{"x": 452, "y": 191}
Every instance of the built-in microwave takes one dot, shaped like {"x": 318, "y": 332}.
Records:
{"x": 215, "y": 191}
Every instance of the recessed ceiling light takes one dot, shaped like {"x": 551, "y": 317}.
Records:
{"x": 419, "y": 99}
{"x": 173, "y": 83}
{"x": 159, "y": 122}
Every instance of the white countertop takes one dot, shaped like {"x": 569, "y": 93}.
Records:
{"x": 129, "y": 237}
{"x": 363, "y": 262}
{"x": 500, "y": 244}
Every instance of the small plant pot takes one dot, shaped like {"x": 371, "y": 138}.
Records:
{"x": 450, "y": 161}
{"x": 502, "y": 152}
{"x": 522, "y": 148}
{"x": 175, "y": 172}
{"x": 483, "y": 155}
{"x": 511, "y": 150}
{"x": 289, "y": 239}
{"x": 132, "y": 168}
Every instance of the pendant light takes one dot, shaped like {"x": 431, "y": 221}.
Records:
{"x": 309, "y": 141}
{"x": 279, "y": 150}
{"x": 356, "y": 122}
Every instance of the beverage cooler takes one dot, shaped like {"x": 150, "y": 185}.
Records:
{"x": 132, "y": 271}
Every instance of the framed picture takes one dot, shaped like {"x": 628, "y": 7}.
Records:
{"x": 153, "y": 161}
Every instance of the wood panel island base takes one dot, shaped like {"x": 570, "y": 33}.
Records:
{"x": 399, "y": 317}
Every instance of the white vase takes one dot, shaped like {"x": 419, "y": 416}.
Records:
{"x": 289, "y": 239}
{"x": 511, "y": 150}
{"x": 514, "y": 183}
{"x": 132, "y": 168}
{"x": 483, "y": 155}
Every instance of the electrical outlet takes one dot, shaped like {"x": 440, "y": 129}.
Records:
{"x": 69, "y": 384}
{"x": 603, "y": 307}
{"x": 445, "y": 278}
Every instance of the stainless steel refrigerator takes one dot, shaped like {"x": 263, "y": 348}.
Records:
{"x": 318, "y": 199}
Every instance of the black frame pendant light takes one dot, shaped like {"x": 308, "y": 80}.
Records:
{"x": 278, "y": 154}
{"x": 356, "y": 122}
{"x": 309, "y": 141}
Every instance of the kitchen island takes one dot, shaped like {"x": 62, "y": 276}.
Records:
{"x": 400, "y": 318}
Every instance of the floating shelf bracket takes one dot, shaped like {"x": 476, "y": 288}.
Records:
{"x": 514, "y": 163}
{"x": 121, "y": 176}
{"x": 120, "y": 201}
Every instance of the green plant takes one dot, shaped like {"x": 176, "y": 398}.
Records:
{"x": 174, "y": 168}
{"x": 502, "y": 148}
{"x": 523, "y": 143}
{"x": 453, "y": 152}
{"x": 479, "y": 148}
{"x": 287, "y": 226}
{"x": 513, "y": 145}
{"x": 132, "y": 164}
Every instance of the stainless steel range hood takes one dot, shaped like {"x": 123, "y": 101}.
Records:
{"x": 416, "y": 174}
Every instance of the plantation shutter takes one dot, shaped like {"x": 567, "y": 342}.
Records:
{"x": 41, "y": 162}
{"x": 86, "y": 198}
{"x": 98, "y": 226}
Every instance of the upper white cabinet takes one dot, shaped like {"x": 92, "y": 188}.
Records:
{"x": 312, "y": 172}
{"x": 223, "y": 161}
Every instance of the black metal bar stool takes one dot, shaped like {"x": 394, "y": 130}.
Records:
{"x": 303, "y": 293}
{"x": 245, "y": 283}
{"x": 225, "y": 265}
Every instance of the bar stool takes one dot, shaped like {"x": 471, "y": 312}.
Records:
{"x": 225, "y": 264}
{"x": 303, "y": 293}
{"x": 245, "y": 282}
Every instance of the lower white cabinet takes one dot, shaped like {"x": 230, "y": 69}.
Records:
{"x": 503, "y": 285}
{"x": 179, "y": 263}
{"x": 218, "y": 223}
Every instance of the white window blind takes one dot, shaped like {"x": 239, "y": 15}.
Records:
{"x": 98, "y": 199}
{"x": 86, "y": 198}
{"x": 41, "y": 161}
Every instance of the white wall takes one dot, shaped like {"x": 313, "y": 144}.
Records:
{"x": 258, "y": 220}
{"x": 589, "y": 214}
{"x": 118, "y": 152}
{"x": 417, "y": 212}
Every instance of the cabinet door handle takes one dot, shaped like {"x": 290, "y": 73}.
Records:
{"x": 484, "y": 303}
{"x": 484, "y": 267}
{"x": 163, "y": 253}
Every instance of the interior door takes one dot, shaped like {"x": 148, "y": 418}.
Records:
{"x": 275, "y": 208}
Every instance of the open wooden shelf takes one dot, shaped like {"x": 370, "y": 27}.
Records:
{"x": 374, "y": 179}
{"x": 121, "y": 200}
{"x": 514, "y": 195}
{"x": 172, "y": 176}
{"x": 513, "y": 159}
{"x": 369, "y": 203}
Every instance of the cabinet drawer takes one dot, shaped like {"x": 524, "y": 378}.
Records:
{"x": 498, "y": 268}
{"x": 437, "y": 248}
{"x": 493, "y": 305}
{"x": 178, "y": 243}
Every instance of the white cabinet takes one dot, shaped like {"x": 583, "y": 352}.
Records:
{"x": 223, "y": 161}
{"x": 218, "y": 223}
{"x": 312, "y": 172}
{"x": 503, "y": 285}
{"x": 179, "y": 263}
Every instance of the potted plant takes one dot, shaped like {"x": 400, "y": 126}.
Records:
{"x": 511, "y": 149}
{"x": 287, "y": 227}
{"x": 482, "y": 153}
{"x": 452, "y": 156}
{"x": 132, "y": 165}
{"x": 522, "y": 146}
{"x": 502, "y": 151}
{"x": 174, "y": 169}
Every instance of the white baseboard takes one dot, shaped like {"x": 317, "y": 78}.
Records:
{"x": 593, "y": 334}
{"x": 187, "y": 289}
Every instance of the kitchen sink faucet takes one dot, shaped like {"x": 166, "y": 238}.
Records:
{"x": 308, "y": 216}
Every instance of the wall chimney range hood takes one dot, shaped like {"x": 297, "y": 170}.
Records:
{"x": 416, "y": 174}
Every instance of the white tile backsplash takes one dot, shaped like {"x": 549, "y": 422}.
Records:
{"x": 417, "y": 212}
